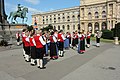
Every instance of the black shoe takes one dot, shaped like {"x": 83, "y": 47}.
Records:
{"x": 46, "y": 54}
{"x": 42, "y": 67}
{"x": 60, "y": 56}
{"x": 32, "y": 64}
{"x": 81, "y": 52}
{"x": 38, "y": 66}
{"x": 27, "y": 61}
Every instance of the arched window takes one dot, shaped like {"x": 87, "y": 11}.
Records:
{"x": 58, "y": 19}
{"x": 104, "y": 26}
{"x": 96, "y": 26}
{"x": 103, "y": 14}
{"x": 55, "y": 27}
{"x": 50, "y": 20}
{"x": 89, "y": 15}
{"x": 63, "y": 18}
{"x": 58, "y": 27}
{"x": 68, "y": 18}
{"x": 90, "y": 27}
{"x": 68, "y": 27}
{"x": 63, "y": 27}
{"x": 96, "y": 15}
{"x": 73, "y": 27}
{"x": 78, "y": 26}
{"x": 73, "y": 17}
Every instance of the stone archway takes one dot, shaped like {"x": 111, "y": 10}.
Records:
{"x": 104, "y": 26}
{"x": 90, "y": 27}
{"x": 96, "y": 26}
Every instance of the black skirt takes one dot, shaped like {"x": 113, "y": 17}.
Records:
{"x": 61, "y": 46}
{"x": 53, "y": 49}
{"x": 27, "y": 50}
{"x": 73, "y": 42}
{"x": 39, "y": 53}
{"x": 76, "y": 40}
{"x": 82, "y": 45}
{"x": 33, "y": 52}
{"x": 88, "y": 40}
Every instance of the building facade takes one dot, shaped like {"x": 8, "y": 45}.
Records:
{"x": 91, "y": 15}
{"x": 65, "y": 19}
{"x": 99, "y": 14}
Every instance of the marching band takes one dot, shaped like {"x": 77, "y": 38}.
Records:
{"x": 37, "y": 44}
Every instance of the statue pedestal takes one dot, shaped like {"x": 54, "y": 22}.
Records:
{"x": 16, "y": 27}
{"x": 116, "y": 41}
{"x": 10, "y": 30}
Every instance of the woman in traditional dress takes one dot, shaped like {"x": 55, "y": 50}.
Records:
{"x": 88, "y": 35}
{"x": 82, "y": 42}
{"x": 53, "y": 47}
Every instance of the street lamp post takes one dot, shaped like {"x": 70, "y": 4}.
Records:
{"x": 116, "y": 35}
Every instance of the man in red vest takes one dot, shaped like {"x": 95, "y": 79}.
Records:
{"x": 61, "y": 39}
{"x": 26, "y": 46}
{"x": 32, "y": 47}
{"x": 39, "y": 49}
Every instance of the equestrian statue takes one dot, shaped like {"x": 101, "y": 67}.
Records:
{"x": 21, "y": 13}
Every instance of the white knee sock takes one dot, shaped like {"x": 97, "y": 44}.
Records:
{"x": 41, "y": 63}
{"x": 38, "y": 62}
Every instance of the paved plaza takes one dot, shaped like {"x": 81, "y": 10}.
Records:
{"x": 101, "y": 63}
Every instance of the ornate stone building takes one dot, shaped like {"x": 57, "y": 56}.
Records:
{"x": 99, "y": 14}
{"x": 92, "y": 15}
{"x": 65, "y": 19}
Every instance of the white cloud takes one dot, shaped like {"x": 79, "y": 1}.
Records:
{"x": 32, "y": 10}
{"x": 51, "y": 9}
{"x": 33, "y": 1}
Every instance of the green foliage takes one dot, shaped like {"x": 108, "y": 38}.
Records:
{"x": 49, "y": 27}
{"x": 107, "y": 34}
{"x": 30, "y": 28}
{"x": 92, "y": 35}
{"x": 3, "y": 43}
{"x": 116, "y": 30}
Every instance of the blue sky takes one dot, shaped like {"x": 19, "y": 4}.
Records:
{"x": 36, "y": 6}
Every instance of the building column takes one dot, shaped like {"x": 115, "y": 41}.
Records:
{"x": 100, "y": 26}
{"x": 71, "y": 25}
{"x": 114, "y": 10}
{"x": 108, "y": 24}
{"x": 93, "y": 28}
{"x": 86, "y": 27}
{"x": 114, "y": 22}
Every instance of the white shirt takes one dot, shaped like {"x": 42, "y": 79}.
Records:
{"x": 42, "y": 41}
{"x": 54, "y": 39}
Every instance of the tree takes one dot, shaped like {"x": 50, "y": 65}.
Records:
{"x": 30, "y": 28}
{"x": 49, "y": 27}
